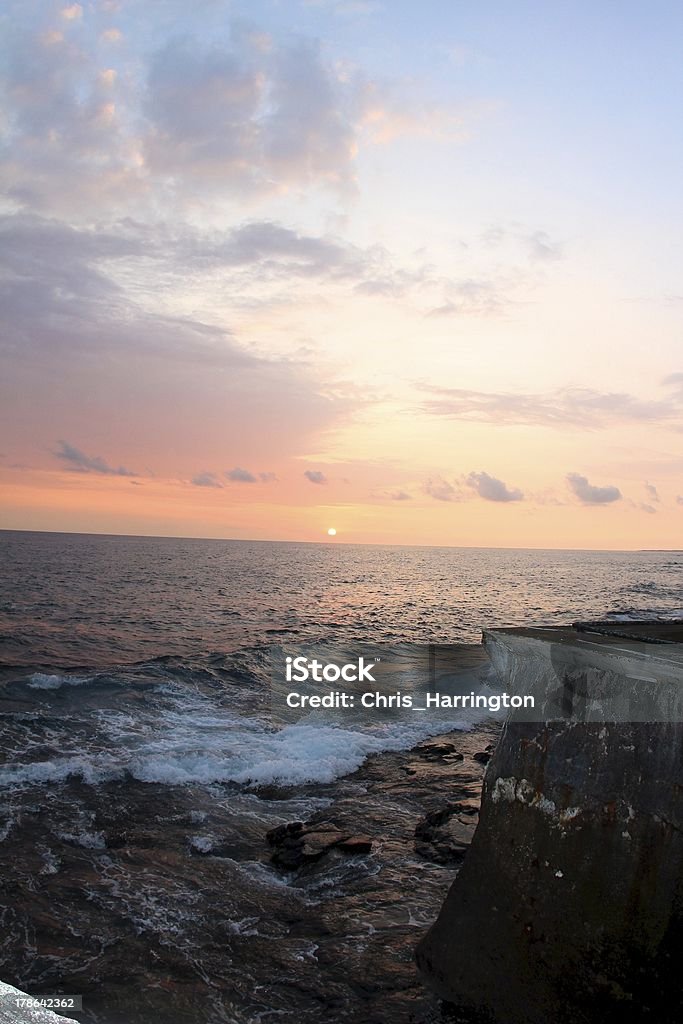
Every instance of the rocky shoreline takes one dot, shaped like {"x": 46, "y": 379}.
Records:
{"x": 172, "y": 901}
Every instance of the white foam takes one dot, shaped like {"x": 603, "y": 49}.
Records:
{"x": 43, "y": 681}
{"x": 246, "y": 926}
{"x": 88, "y": 840}
{"x": 202, "y": 844}
{"x": 91, "y": 769}
{"x": 197, "y": 742}
{"x": 51, "y": 863}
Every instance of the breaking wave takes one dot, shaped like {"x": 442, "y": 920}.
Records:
{"x": 192, "y": 740}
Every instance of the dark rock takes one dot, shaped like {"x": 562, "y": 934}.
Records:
{"x": 438, "y": 750}
{"x": 276, "y": 836}
{"x": 569, "y": 904}
{"x": 443, "y": 836}
{"x": 314, "y": 844}
{"x": 299, "y": 843}
{"x": 356, "y": 844}
{"x": 482, "y": 756}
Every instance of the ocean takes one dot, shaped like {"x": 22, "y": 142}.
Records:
{"x": 142, "y": 771}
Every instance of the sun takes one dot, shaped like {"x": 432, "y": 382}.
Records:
{"x": 332, "y": 532}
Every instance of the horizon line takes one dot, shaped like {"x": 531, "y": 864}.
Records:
{"x": 334, "y": 542}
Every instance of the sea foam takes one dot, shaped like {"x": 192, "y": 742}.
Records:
{"x": 45, "y": 681}
{"x": 205, "y": 749}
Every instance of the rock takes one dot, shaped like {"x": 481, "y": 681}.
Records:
{"x": 356, "y": 844}
{"x": 277, "y": 835}
{"x": 569, "y": 904}
{"x": 443, "y": 836}
{"x": 314, "y": 844}
{"x": 299, "y": 843}
{"x": 438, "y": 750}
{"x": 482, "y": 756}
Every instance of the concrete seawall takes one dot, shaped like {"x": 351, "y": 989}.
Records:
{"x": 569, "y": 905}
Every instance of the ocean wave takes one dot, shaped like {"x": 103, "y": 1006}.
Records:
{"x": 45, "y": 681}
{"x": 640, "y": 614}
{"x": 208, "y": 748}
{"x": 643, "y": 587}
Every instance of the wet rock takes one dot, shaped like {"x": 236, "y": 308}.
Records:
{"x": 138, "y": 927}
{"x": 443, "y": 836}
{"x": 438, "y": 750}
{"x": 356, "y": 844}
{"x": 277, "y": 836}
{"x": 144, "y": 838}
{"x": 298, "y": 843}
{"x": 314, "y": 844}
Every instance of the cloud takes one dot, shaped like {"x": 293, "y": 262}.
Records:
{"x": 441, "y": 490}
{"x": 245, "y": 476}
{"x": 492, "y": 489}
{"x": 400, "y": 496}
{"x": 471, "y": 297}
{"x": 388, "y": 113}
{"x": 253, "y": 116}
{"x": 589, "y": 494}
{"x": 315, "y": 476}
{"x": 674, "y": 381}
{"x": 263, "y": 254}
{"x": 73, "y": 328}
{"x": 72, "y": 13}
{"x": 241, "y": 476}
{"x": 347, "y": 7}
{"x": 583, "y": 408}
{"x": 206, "y": 479}
{"x": 56, "y": 291}
{"x": 541, "y": 247}
{"x": 538, "y": 245}
{"x": 67, "y": 140}
{"x": 47, "y": 262}
{"x": 233, "y": 112}
{"x": 248, "y": 117}
{"x": 281, "y": 253}
{"x": 80, "y": 462}
{"x": 652, "y": 491}
{"x": 679, "y": 499}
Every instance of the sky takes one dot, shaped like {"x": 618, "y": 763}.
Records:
{"x": 411, "y": 271}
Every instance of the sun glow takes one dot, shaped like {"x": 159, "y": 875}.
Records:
{"x": 332, "y": 532}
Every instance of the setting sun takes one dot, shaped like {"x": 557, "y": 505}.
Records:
{"x": 332, "y": 532}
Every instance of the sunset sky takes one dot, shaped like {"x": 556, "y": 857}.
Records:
{"x": 409, "y": 270}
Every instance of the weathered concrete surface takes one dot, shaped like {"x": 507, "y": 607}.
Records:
{"x": 569, "y": 904}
